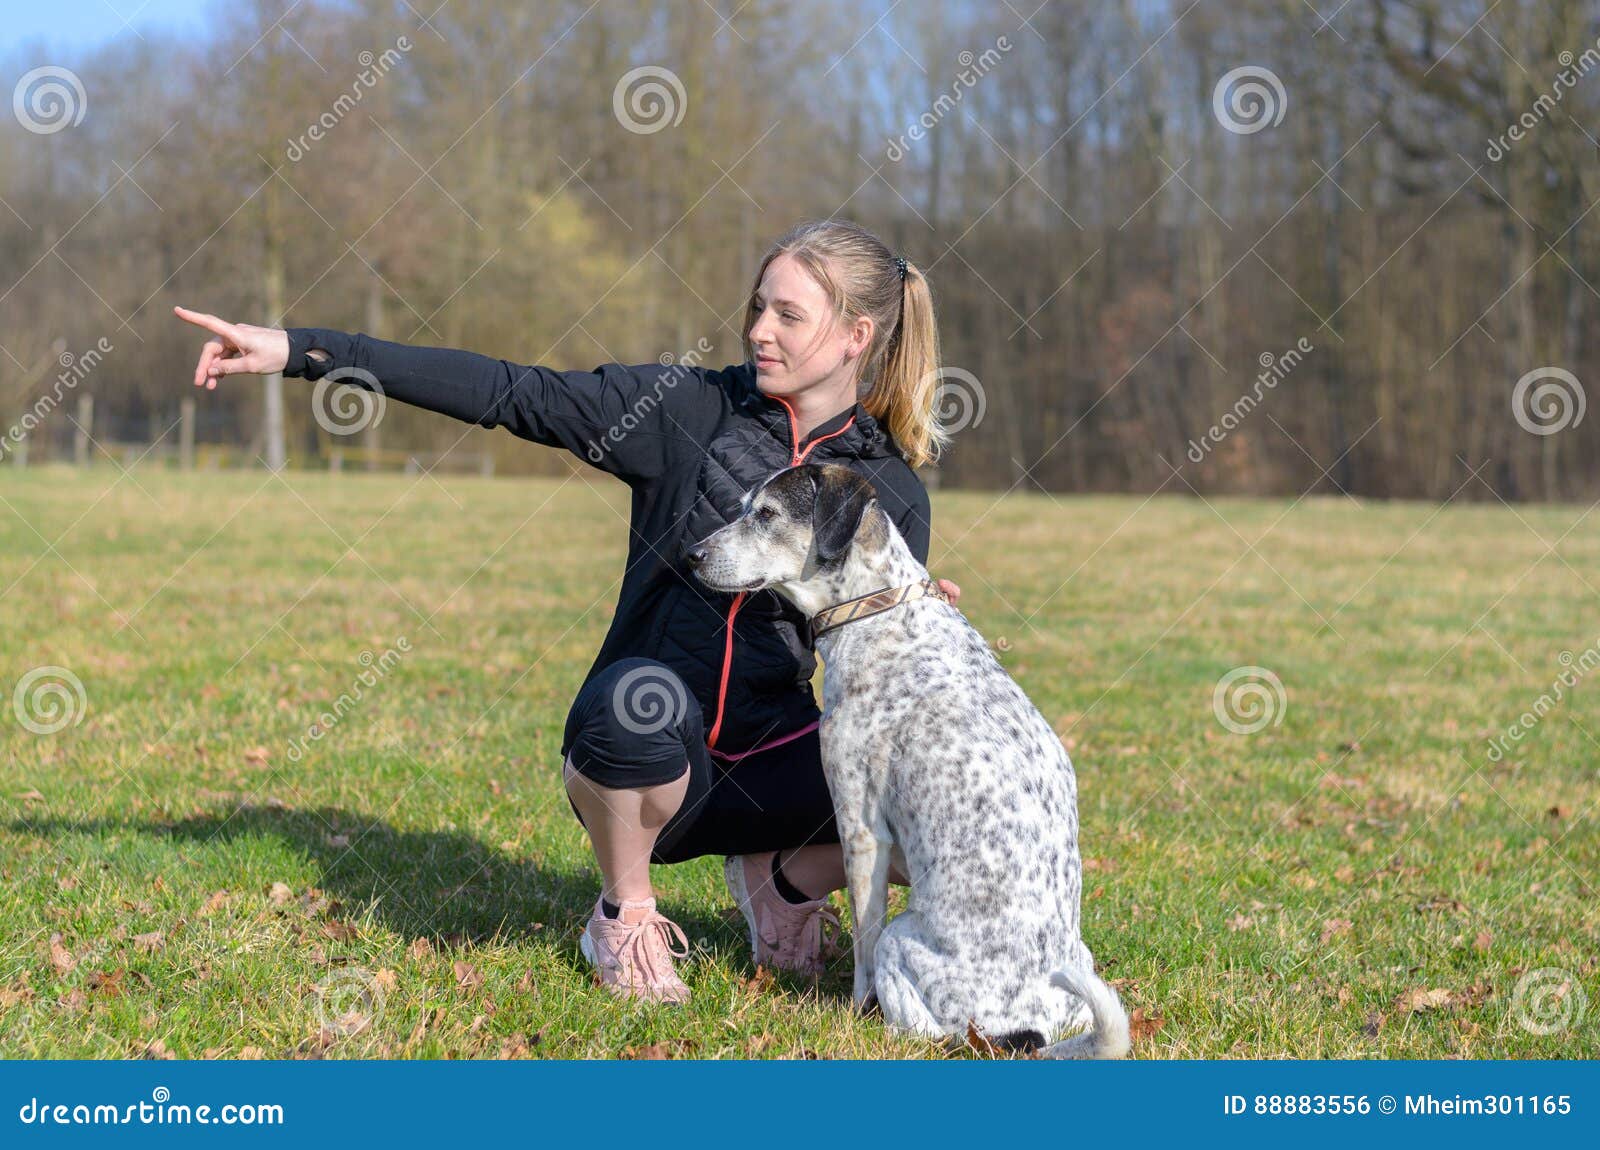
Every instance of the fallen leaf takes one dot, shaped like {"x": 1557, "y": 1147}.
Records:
{"x": 30, "y": 797}
{"x": 1420, "y": 999}
{"x": 339, "y": 931}
{"x": 216, "y": 902}
{"x": 149, "y": 943}
{"x": 421, "y": 948}
{"x": 468, "y": 977}
{"x": 280, "y": 893}
{"x": 1241, "y": 922}
{"x": 156, "y": 1049}
{"x": 387, "y": 979}
{"x": 256, "y": 756}
{"x": 252, "y": 1054}
{"x": 1559, "y": 811}
{"x": 980, "y": 1042}
{"x": 1335, "y": 926}
{"x": 1142, "y": 1025}
{"x": 760, "y": 982}
{"x": 1483, "y": 941}
{"x": 60, "y": 957}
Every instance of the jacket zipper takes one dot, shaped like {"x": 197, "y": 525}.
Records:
{"x": 796, "y": 457}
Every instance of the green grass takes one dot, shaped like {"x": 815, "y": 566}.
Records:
{"x": 1282, "y": 893}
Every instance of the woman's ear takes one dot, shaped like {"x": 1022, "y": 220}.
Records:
{"x": 843, "y": 498}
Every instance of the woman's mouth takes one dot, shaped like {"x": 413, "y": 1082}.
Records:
{"x": 766, "y": 361}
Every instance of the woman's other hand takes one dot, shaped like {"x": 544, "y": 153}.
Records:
{"x": 949, "y": 589}
{"x": 236, "y": 348}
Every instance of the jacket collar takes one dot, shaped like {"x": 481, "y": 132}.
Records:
{"x": 852, "y": 432}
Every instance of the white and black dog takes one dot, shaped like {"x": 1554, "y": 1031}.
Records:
{"x": 935, "y": 758}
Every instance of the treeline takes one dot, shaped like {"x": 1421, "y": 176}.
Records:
{"x": 1220, "y": 246}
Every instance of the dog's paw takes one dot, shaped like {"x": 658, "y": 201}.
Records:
{"x": 868, "y": 1007}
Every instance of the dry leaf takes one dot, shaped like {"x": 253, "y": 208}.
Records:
{"x": 421, "y": 948}
{"x": 1335, "y": 926}
{"x": 30, "y": 797}
{"x": 339, "y": 931}
{"x": 468, "y": 977}
{"x": 149, "y": 943}
{"x": 256, "y": 756}
{"x": 280, "y": 893}
{"x": 1142, "y": 1025}
{"x": 1422, "y": 999}
{"x": 252, "y": 1053}
{"x": 760, "y": 982}
{"x": 156, "y": 1049}
{"x": 1483, "y": 941}
{"x": 387, "y": 979}
{"x": 60, "y": 957}
{"x": 216, "y": 902}
{"x": 1241, "y": 922}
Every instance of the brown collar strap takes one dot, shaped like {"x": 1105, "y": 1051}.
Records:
{"x": 851, "y": 610}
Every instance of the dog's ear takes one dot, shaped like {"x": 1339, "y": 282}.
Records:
{"x": 841, "y": 503}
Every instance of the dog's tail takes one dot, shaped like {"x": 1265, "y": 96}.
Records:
{"x": 1107, "y": 1036}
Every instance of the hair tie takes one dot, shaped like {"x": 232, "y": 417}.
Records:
{"x": 900, "y": 262}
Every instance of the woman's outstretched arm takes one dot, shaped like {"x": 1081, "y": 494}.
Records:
{"x": 633, "y": 422}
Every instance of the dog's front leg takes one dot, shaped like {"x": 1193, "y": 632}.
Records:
{"x": 866, "y": 865}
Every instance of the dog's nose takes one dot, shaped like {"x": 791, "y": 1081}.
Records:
{"x": 697, "y": 556}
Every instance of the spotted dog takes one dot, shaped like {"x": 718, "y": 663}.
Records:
{"x": 938, "y": 764}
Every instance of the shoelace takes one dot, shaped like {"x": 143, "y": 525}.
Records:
{"x": 819, "y": 932}
{"x": 650, "y": 940}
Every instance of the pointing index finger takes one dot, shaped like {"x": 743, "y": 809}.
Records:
{"x": 210, "y": 322}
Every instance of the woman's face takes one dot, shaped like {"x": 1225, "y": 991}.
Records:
{"x": 795, "y": 343}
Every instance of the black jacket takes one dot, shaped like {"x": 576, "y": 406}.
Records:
{"x": 688, "y": 441}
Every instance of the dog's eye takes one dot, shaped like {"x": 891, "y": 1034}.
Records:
{"x": 766, "y": 514}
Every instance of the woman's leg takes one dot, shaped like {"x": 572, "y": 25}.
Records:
{"x": 818, "y": 869}
{"x": 623, "y": 823}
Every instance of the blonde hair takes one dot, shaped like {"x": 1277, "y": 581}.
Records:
{"x": 900, "y": 370}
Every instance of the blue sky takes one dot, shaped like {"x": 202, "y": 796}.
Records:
{"x": 77, "y": 24}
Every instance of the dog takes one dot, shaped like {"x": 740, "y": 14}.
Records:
{"x": 937, "y": 763}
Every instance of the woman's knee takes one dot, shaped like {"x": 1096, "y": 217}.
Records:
{"x": 632, "y": 726}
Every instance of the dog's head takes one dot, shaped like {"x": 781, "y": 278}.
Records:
{"x": 796, "y": 532}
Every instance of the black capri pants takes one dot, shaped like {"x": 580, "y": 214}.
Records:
{"x": 635, "y": 724}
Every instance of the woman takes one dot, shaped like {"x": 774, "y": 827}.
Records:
{"x": 695, "y": 731}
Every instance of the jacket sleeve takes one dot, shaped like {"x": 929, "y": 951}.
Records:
{"x": 632, "y": 422}
{"x": 915, "y": 523}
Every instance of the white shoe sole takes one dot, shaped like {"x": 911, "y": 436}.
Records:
{"x": 733, "y": 872}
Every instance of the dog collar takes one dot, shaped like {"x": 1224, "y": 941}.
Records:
{"x": 851, "y": 610}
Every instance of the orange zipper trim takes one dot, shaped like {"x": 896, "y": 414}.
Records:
{"x": 795, "y": 458}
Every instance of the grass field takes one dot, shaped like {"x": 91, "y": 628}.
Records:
{"x": 187, "y": 873}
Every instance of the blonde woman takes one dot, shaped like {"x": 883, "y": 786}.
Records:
{"x": 695, "y": 731}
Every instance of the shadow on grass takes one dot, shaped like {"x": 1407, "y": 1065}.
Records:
{"x": 446, "y": 886}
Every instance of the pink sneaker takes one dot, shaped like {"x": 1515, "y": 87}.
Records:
{"x": 634, "y": 953}
{"x": 798, "y": 936}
